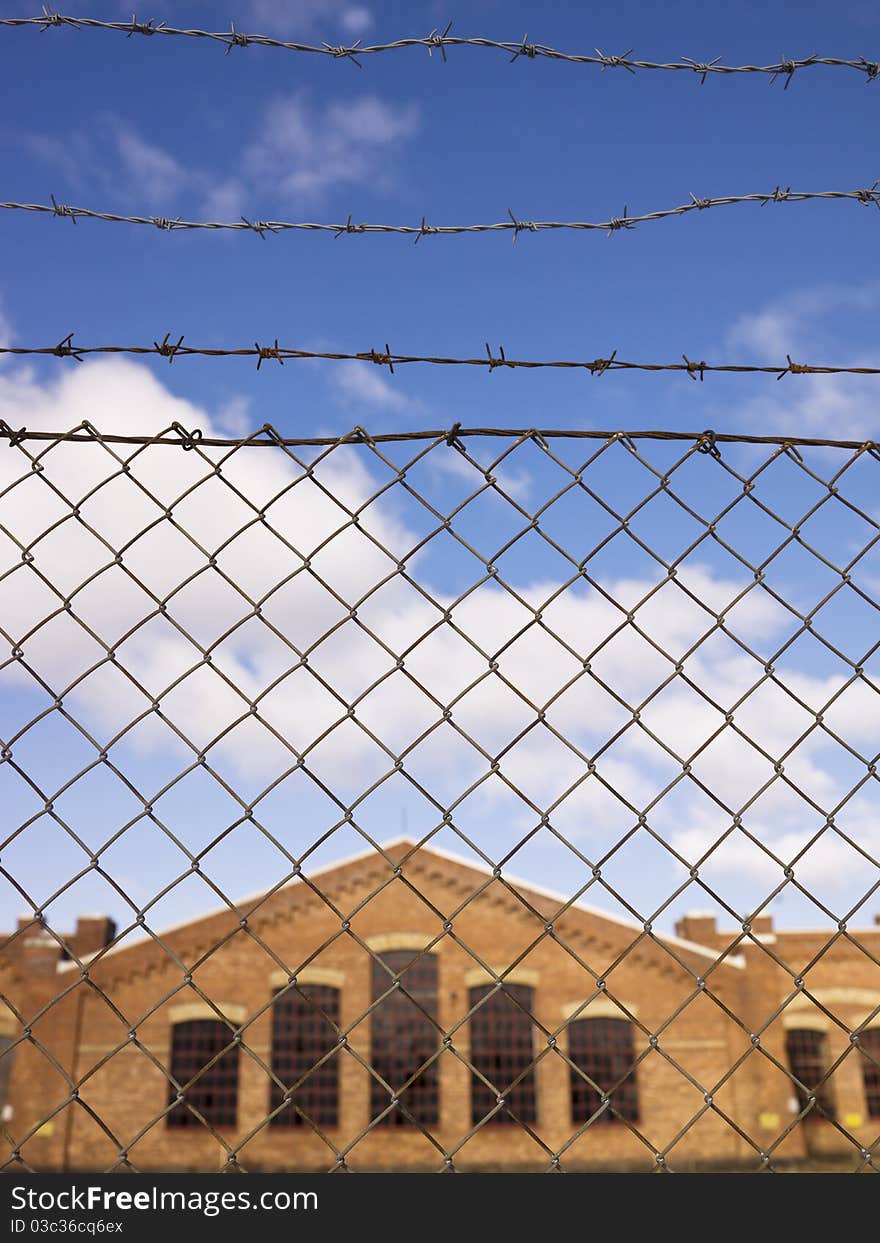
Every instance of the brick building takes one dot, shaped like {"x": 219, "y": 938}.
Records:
{"x": 604, "y": 1043}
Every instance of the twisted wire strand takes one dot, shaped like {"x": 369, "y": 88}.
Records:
{"x": 598, "y": 366}
{"x": 867, "y": 196}
{"x": 442, "y": 41}
{"x": 268, "y": 436}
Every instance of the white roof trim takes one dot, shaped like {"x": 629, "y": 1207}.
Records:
{"x": 818, "y": 932}
{"x": 518, "y": 882}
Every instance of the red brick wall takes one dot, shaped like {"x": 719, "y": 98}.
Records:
{"x": 136, "y": 988}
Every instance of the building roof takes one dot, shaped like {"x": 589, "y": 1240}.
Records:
{"x": 403, "y": 847}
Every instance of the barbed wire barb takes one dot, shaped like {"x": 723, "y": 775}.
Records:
{"x": 167, "y": 349}
{"x": 437, "y": 40}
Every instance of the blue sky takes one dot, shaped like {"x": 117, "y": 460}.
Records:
{"x": 173, "y": 127}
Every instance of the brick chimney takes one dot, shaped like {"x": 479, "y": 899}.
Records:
{"x": 92, "y": 933}
{"x": 697, "y": 926}
{"x": 762, "y": 925}
{"x": 39, "y": 952}
{"x": 36, "y": 950}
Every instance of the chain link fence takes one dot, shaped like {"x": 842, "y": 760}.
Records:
{"x": 374, "y": 681}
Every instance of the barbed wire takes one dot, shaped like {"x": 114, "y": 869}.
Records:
{"x": 166, "y": 348}
{"x": 442, "y": 41}
{"x": 515, "y": 225}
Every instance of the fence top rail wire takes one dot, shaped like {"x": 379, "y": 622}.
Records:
{"x": 442, "y": 40}
{"x": 515, "y": 225}
{"x": 695, "y": 370}
{"x": 268, "y": 436}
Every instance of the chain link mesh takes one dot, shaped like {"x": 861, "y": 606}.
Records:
{"x": 703, "y": 564}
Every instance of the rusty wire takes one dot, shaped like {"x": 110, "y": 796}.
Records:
{"x": 268, "y": 436}
{"x": 868, "y": 196}
{"x": 598, "y": 366}
{"x": 703, "y": 449}
{"x": 442, "y": 40}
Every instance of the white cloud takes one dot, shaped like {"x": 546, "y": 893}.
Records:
{"x": 361, "y": 385}
{"x": 839, "y": 407}
{"x": 253, "y": 662}
{"x": 805, "y": 325}
{"x": 302, "y": 149}
{"x": 767, "y": 334}
{"x": 225, "y": 200}
{"x": 356, "y": 19}
{"x": 148, "y": 168}
{"x": 516, "y": 483}
{"x": 234, "y": 416}
{"x": 828, "y": 865}
{"x": 286, "y": 18}
{"x": 117, "y": 161}
{"x": 298, "y": 17}
{"x": 73, "y": 158}
{"x": 7, "y": 336}
{"x": 799, "y": 320}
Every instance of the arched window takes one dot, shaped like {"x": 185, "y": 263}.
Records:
{"x": 305, "y": 1022}
{"x": 870, "y": 1043}
{"x": 403, "y": 1036}
{"x": 502, "y": 1052}
{"x": 807, "y": 1053}
{"x": 204, "y": 1061}
{"x": 603, "y": 1050}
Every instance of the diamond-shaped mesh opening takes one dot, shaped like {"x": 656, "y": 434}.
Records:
{"x": 665, "y": 523}
{"x": 576, "y": 520}
{"x": 439, "y": 805}
{"x": 848, "y": 623}
{"x": 749, "y": 531}
{"x": 837, "y": 532}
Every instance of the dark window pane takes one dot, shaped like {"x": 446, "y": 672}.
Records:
{"x": 870, "y": 1042}
{"x": 403, "y": 1037}
{"x": 304, "y": 1029}
{"x": 7, "y": 1052}
{"x": 603, "y": 1050}
{"x": 214, "y": 1092}
{"x": 501, "y": 1050}
{"x": 807, "y": 1053}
